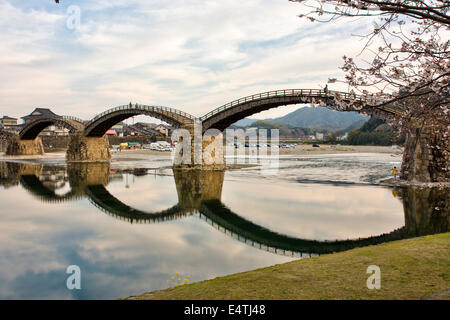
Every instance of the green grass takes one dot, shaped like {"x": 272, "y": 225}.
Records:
{"x": 410, "y": 269}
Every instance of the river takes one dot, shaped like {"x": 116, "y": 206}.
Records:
{"x": 135, "y": 225}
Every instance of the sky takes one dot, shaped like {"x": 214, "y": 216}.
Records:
{"x": 190, "y": 55}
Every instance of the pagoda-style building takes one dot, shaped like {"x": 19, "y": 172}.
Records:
{"x": 51, "y": 130}
{"x": 39, "y": 112}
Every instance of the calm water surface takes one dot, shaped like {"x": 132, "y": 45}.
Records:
{"x": 131, "y": 226}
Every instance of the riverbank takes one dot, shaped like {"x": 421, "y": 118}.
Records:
{"x": 331, "y": 149}
{"x": 416, "y": 268}
{"x": 300, "y": 149}
{"x": 390, "y": 182}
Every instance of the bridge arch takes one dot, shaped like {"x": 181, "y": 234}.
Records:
{"x": 223, "y": 116}
{"x": 100, "y": 197}
{"x": 32, "y": 129}
{"x": 32, "y": 184}
{"x": 229, "y": 222}
{"x": 101, "y": 123}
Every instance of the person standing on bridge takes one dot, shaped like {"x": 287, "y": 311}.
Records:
{"x": 326, "y": 89}
{"x": 395, "y": 172}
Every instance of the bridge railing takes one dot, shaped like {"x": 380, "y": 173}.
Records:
{"x": 144, "y": 108}
{"x": 240, "y": 238}
{"x": 72, "y": 118}
{"x": 283, "y": 93}
{"x": 140, "y": 220}
{"x": 55, "y": 118}
{"x": 171, "y": 110}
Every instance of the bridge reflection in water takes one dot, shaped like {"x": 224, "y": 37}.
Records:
{"x": 426, "y": 211}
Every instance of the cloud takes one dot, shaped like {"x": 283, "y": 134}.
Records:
{"x": 117, "y": 259}
{"x": 190, "y": 55}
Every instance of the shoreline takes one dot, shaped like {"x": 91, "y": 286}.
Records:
{"x": 390, "y": 182}
{"x": 298, "y": 150}
{"x": 414, "y": 268}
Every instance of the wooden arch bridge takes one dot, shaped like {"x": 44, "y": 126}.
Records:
{"x": 219, "y": 118}
{"x": 89, "y": 143}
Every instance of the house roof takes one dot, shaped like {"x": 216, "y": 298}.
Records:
{"x": 111, "y": 132}
{"x": 39, "y": 112}
{"x": 9, "y": 118}
{"x": 141, "y": 129}
{"x": 146, "y": 124}
{"x": 164, "y": 125}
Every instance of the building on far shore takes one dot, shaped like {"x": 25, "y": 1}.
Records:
{"x": 51, "y": 130}
{"x": 9, "y": 124}
{"x": 319, "y": 136}
{"x": 141, "y": 129}
{"x": 156, "y": 129}
{"x": 164, "y": 129}
{"x": 8, "y": 121}
{"x": 118, "y": 128}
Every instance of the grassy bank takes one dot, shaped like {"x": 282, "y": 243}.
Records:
{"x": 410, "y": 269}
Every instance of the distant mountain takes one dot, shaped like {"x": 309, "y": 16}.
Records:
{"x": 244, "y": 122}
{"x": 355, "y": 125}
{"x": 320, "y": 117}
{"x": 283, "y": 130}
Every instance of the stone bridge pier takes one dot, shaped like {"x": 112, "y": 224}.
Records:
{"x": 83, "y": 148}
{"x": 196, "y": 186}
{"x": 82, "y": 175}
{"x": 19, "y": 147}
{"x": 205, "y": 150}
{"x": 200, "y": 151}
{"x": 27, "y": 142}
{"x": 427, "y": 210}
{"x": 426, "y": 155}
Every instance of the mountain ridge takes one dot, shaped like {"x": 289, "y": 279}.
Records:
{"x": 307, "y": 117}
